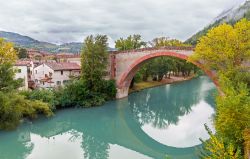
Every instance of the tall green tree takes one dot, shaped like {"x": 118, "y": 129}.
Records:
{"x": 131, "y": 42}
{"x": 94, "y": 59}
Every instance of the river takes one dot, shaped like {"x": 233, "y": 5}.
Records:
{"x": 161, "y": 122}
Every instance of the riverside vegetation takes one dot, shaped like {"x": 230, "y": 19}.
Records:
{"x": 226, "y": 50}
{"x": 89, "y": 90}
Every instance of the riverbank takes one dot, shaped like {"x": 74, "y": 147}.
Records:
{"x": 150, "y": 84}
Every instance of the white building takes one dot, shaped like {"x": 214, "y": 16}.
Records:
{"x": 24, "y": 71}
{"x": 48, "y": 75}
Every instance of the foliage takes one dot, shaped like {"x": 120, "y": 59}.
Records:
{"x": 46, "y": 96}
{"x": 233, "y": 110}
{"x": 130, "y": 43}
{"x": 161, "y": 67}
{"x": 225, "y": 47}
{"x": 21, "y": 52}
{"x": 226, "y": 50}
{"x": 94, "y": 60}
{"x": 13, "y": 107}
{"x": 164, "y": 42}
{"x": 215, "y": 148}
{"x": 7, "y": 82}
{"x": 78, "y": 94}
{"x": 7, "y": 52}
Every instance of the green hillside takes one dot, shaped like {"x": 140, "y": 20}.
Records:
{"x": 232, "y": 17}
{"x": 28, "y": 43}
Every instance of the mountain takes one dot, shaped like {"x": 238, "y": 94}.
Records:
{"x": 230, "y": 16}
{"x": 28, "y": 42}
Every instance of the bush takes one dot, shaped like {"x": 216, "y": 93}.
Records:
{"x": 232, "y": 113}
{"x": 46, "y": 96}
{"x": 216, "y": 148}
{"x": 78, "y": 94}
{"x": 13, "y": 107}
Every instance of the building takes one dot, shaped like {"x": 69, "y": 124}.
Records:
{"x": 24, "y": 70}
{"x": 48, "y": 75}
{"x": 68, "y": 57}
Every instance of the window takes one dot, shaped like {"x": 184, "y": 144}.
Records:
{"x": 58, "y": 83}
{"x": 61, "y": 72}
{"x": 50, "y": 74}
{"x": 36, "y": 71}
{"x": 19, "y": 70}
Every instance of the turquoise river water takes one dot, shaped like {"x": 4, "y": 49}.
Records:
{"x": 161, "y": 122}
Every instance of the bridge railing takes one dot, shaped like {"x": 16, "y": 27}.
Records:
{"x": 187, "y": 48}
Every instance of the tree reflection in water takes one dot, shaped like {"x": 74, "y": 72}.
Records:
{"x": 148, "y": 106}
{"x": 94, "y": 148}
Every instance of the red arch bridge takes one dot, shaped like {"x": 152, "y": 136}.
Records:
{"x": 125, "y": 64}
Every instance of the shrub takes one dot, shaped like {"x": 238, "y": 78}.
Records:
{"x": 13, "y": 107}
{"x": 46, "y": 96}
{"x": 78, "y": 94}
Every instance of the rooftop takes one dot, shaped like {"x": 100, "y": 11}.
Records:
{"x": 23, "y": 63}
{"x": 63, "y": 66}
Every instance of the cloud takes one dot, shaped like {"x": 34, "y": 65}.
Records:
{"x": 61, "y": 21}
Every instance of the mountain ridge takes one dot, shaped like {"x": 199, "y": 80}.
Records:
{"x": 230, "y": 16}
{"x": 30, "y": 43}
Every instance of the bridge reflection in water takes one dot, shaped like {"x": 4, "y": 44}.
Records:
{"x": 97, "y": 131}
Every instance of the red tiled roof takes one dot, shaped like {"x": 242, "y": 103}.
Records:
{"x": 22, "y": 63}
{"x": 63, "y": 66}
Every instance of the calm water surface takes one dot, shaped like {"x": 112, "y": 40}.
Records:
{"x": 154, "y": 123}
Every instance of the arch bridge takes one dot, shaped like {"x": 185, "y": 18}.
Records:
{"x": 125, "y": 64}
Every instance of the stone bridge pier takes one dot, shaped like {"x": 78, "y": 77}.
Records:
{"x": 125, "y": 64}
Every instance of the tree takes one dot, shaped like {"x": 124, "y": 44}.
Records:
{"x": 7, "y": 52}
{"x": 13, "y": 106}
{"x": 132, "y": 42}
{"x": 94, "y": 60}
{"x": 22, "y": 53}
{"x": 7, "y": 81}
{"x": 225, "y": 47}
{"x": 164, "y": 42}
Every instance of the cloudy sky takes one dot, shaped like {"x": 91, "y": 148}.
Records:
{"x": 60, "y": 21}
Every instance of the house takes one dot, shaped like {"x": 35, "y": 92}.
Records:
{"x": 24, "y": 70}
{"x": 53, "y": 74}
{"x": 68, "y": 57}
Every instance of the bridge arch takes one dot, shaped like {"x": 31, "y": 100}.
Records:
{"x": 124, "y": 82}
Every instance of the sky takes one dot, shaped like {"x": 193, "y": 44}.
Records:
{"x": 61, "y": 21}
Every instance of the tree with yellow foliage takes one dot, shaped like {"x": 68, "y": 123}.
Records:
{"x": 226, "y": 49}
{"x": 7, "y": 52}
{"x": 13, "y": 106}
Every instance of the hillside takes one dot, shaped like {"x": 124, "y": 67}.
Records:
{"x": 27, "y": 42}
{"x": 231, "y": 16}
